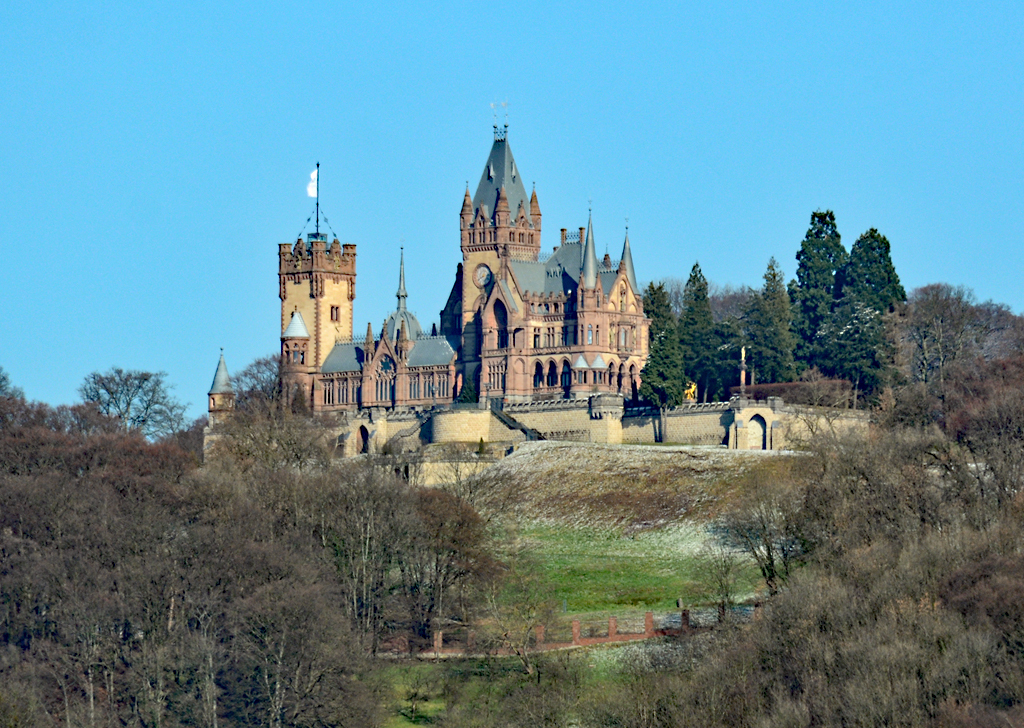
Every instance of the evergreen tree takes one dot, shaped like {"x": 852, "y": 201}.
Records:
{"x": 770, "y": 340}
{"x": 820, "y": 258}
{"x": 662, "y": 376}
{"x": 697, "y": 339}
{"x": 869, "y": 275}
{"x": 855, "y": 345}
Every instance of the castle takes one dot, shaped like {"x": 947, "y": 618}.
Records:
{"x": 529, "y": 346}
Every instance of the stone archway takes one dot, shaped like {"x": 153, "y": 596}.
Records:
{"x": 757, "y": 433}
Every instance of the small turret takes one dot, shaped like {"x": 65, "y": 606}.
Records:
{"x": 535, "y": 209}
{"x": 222, "y": 394}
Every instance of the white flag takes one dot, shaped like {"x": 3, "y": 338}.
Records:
{"x": 311, "y": 187}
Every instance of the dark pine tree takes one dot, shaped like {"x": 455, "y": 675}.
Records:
{"x": 820, "y": 258}
{"x": 770, "y": 346}
{"x": 869, "y": 275}
{"x": 855, "y": 345}
{"x": 662, "y": 377}
{"x": 697, "y": 339}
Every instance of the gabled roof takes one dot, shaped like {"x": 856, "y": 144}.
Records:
{"x": 296, "y": 328}
{"x": 598, "y": 363}
{"x": 221, "y": 380}
{"x": 500, "y": 171}
{"x": 581, "y": 363}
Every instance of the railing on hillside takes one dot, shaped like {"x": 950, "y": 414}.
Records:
{"x": 462, "y": 640}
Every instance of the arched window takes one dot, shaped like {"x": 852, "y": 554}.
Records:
{"x": 566, "y": 375}
{"x": 501, "y": 321}
{"x": 590, "y": 334}
{"x": 538, "y": 376}
{"x": 552, "y": 375}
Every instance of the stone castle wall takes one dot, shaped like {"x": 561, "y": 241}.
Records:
{"x": 737, "y": 424}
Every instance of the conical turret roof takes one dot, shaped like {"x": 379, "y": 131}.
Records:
{"x": 627, "y": 261}
{"x": 296, "y": 328}
{"x": 221, "y": 380}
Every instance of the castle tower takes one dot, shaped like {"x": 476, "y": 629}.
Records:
{"x": 221, "y": 396}
{"x": 320, "y": 283}
{"x": 499, "y": 222}
{"x": 297, "y": 363}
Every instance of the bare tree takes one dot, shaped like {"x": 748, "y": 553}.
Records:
{"x": 258, "y": 386}
{"x": 764, "y": 525}
{"x": 141, "y": 401}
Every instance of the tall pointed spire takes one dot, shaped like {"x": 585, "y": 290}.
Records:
{"x": 402, "y": 295}
{"x": 588, "y": 276}
{"x": 627, "y": 262}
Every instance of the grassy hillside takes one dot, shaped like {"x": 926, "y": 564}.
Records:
{"x": 618, "y": 530}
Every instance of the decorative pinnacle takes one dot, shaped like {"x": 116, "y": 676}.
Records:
{"x": 401, "y": 280}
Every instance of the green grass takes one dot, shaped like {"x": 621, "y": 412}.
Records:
{"x": 603, "y": 572}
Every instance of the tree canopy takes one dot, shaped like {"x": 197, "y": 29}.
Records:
{"x": 820, "y": 257}
{"x": 663, "y": 381}
{"x": 697, "y": 337}
{"x": 869, "y": 275}
{"x": 770, "y": 341}
{"x": 141, "y": 401}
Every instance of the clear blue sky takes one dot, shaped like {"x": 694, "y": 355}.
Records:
{"x": 154, "y": 154}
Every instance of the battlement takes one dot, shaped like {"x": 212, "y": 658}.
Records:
{"x": 547, "y": 405}
{"x": 313, "y": 256}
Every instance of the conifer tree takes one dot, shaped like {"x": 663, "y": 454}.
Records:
{"x": 768, "y": 332}
{"x": 697, "y": 339}
{"x": 820, "y": 258}
{"x": 854, "y": 345}
{"x": 869, "y": 275}
{"x": 662, "y": 377}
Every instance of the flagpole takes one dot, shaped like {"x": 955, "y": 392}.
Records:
{"x": 318, "y": 200}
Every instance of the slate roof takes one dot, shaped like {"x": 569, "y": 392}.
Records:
{"x": 500, "y": 170}
{"x": 296, "y": 328}
{"x": 413, "y": 330}
{"x": 590, "y": 268}
{"x": 559, "y": 274}
{"x": 431, "y": 351}
{"x": 627, "y": 257}
{"x": 426, "y": 351}
{"x": 221, "y": 380}
{"x": 344, "y": 358}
